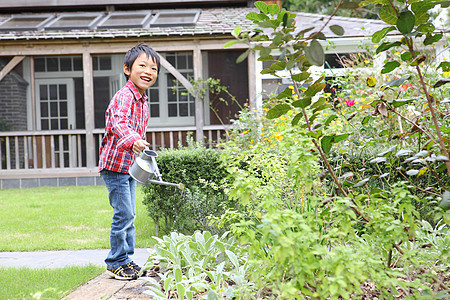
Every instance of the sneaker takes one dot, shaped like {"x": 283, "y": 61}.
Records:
{"x": 122, "y": 273}
{"x": 134, "y": 267}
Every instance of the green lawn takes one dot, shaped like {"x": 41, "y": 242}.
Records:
{"x": 25, "y": 283}
{"x": 55, "y": 218}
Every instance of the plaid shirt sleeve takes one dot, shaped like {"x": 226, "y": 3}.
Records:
{"x": 126, "y": 121}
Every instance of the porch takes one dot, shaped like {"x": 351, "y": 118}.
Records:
{"x": 63, "y": 157}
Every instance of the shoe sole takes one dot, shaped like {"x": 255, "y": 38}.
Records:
{"x": 115, "y": 276}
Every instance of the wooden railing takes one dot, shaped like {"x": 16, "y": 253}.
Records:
{"x": 51, "y": 152}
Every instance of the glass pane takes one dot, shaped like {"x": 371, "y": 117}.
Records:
{"x": 184, "y": 110}
{"x": 154, "y": 95}
{"x": 171, "y": 59}
{"x": 54, "y": 124}
{"x": 173, "y": 110}
{"x": 44, "y": 109}
{"x": 24, "y": 22}
{"x": 63, "y": 109}
{"x": 95, "y": 62}
{"x": 171, "y": 95}
{"x": 52, "y": 64}
{"x": 53, "y": 91}
{"x": 65, "y": 63}
{"x": 43, "y": 92}
{"x": 154, "y": 110}
{"x": 77, "y": 64}
{"x": 44, "y": 124}
{"x": 105, "y": 62}
{"x": 64, "y": 124}
{"x": 171, "y": 80}
{"x": 73, "y": 21}
{"x": 191, "y": 109}
{"x": 189, "y": 61}
{"x": 183, "y": 96}
{"x": 181, "y": 62}
{"x": 54, "y": 109}
{"x": 62, "y": 91}
{"x": 39, "y": 64}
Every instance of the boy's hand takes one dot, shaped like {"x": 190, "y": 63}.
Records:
{"x": 139, "y": 146}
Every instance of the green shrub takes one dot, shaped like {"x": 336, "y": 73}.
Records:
{"x": 201, "y": 172}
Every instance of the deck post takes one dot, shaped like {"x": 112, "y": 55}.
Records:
{"x": 89, "y": 109}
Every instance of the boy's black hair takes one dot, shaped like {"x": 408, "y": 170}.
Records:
{"x": 137, "y": 50}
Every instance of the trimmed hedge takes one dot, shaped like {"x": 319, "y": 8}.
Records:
{"x": 201, "y": 172}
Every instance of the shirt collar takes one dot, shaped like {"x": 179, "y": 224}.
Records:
{"x": 135, "y": 91}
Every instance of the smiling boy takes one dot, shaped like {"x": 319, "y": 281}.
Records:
{"x": 126, "y": 122}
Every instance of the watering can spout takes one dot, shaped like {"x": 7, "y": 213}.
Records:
{"x": 145, "y": 170}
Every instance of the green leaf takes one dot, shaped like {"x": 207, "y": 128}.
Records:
{"x": 406, "y": 56}
{"x": 273, "y": 9}
{"x": 420, "y": 9}
{"x": 230, "y": 43}
{"x": 388, "y": 15}
{"x": 326, "y": 142}
{"x": 445, "y": 202}
{"x": 296, "y": 119}
{"x": 243, "y": 56}
{"x": 445, "y": 65}
{"x": 405, "y": 22}
{"x": 300, "y": 77}
{"x": 321, "y": 101}
{"x": 285, "y": 19}
{"x": 329, "y": 120}
{"x": 237, "y": 30}
{"x": 253, "y": 16}
{"x": 362, "y": 182}
{"x": 431, "y": 39}
{"x": 314, "y": 53}
{"x": 412, "y": 172}
{"x": 441, "y": 82}
{"x": 262, "y": 6}
{"x": 285, "y": 94}
{"x": 380, "y": 34}
{"x": 385, "y": 46}
{"x": 181, "y": 290}
{"x": 427, "y": 27}
{"x": 366, "y": 120}
{"x": 302, "y": 103}
{"x": 399, "y": 81}
{"x": 340, "y": 137}
{"x": 390, "y": 66}
{"x": 337, "y": 30}
{"x": 278, "y": 111}
{"x": 314, "y": 89}
{"x": 400, "y": 102}
{"x": 378, "y": 160}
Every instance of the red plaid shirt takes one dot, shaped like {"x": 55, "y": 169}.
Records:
{"x": 126, "y": 122}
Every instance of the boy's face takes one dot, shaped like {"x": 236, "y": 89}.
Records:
{"x": 143, "y": 73}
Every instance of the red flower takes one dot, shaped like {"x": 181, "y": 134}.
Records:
{"x": 405, "y": 86}
{"x": 349, "y": 102}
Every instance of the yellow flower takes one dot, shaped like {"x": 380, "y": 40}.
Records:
{"x": 366, "y": 61}
{"x": 326, "y": 115}
{"x": 397, "y": 53}
{"x": 375, "y": 46}
{"x": 245, "y": 132}
{"x": 363, "y": 99}
{"x": 291, "y": 87}
{"x": 446, "y": 74}
{"x": 250, "y": 146}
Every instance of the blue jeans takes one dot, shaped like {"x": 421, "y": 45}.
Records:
{"x": 122, "y": 197}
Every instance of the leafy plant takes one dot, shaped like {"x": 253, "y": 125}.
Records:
{"x": 353, "y": 220}
{"x": 198, "y": 265}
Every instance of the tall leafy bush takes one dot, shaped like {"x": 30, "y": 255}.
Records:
{"x": 202, "y": 173}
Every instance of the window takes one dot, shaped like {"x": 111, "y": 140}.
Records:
{"x": 74, "y": 21}
{"x": 175, "y": 18}
{"x": 58, "y": 63}
{"x": 125, "y": 20}
{"x": 25, "y": 22}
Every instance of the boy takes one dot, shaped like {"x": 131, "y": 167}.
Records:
{"x": 126, "y": 122}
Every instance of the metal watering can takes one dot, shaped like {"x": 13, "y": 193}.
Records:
{"x": 145, "y": 170}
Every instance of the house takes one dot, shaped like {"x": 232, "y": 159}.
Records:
{"x": 61, "y": 62}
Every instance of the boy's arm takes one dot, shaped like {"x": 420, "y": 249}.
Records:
{"x": 121, "y": 126}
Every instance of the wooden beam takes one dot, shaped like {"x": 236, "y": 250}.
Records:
{"x": 176, "y": 74}
{"x": 11, "y": 65}
{"x": 199, "y": 105}
{"x": 88, "y": 81}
